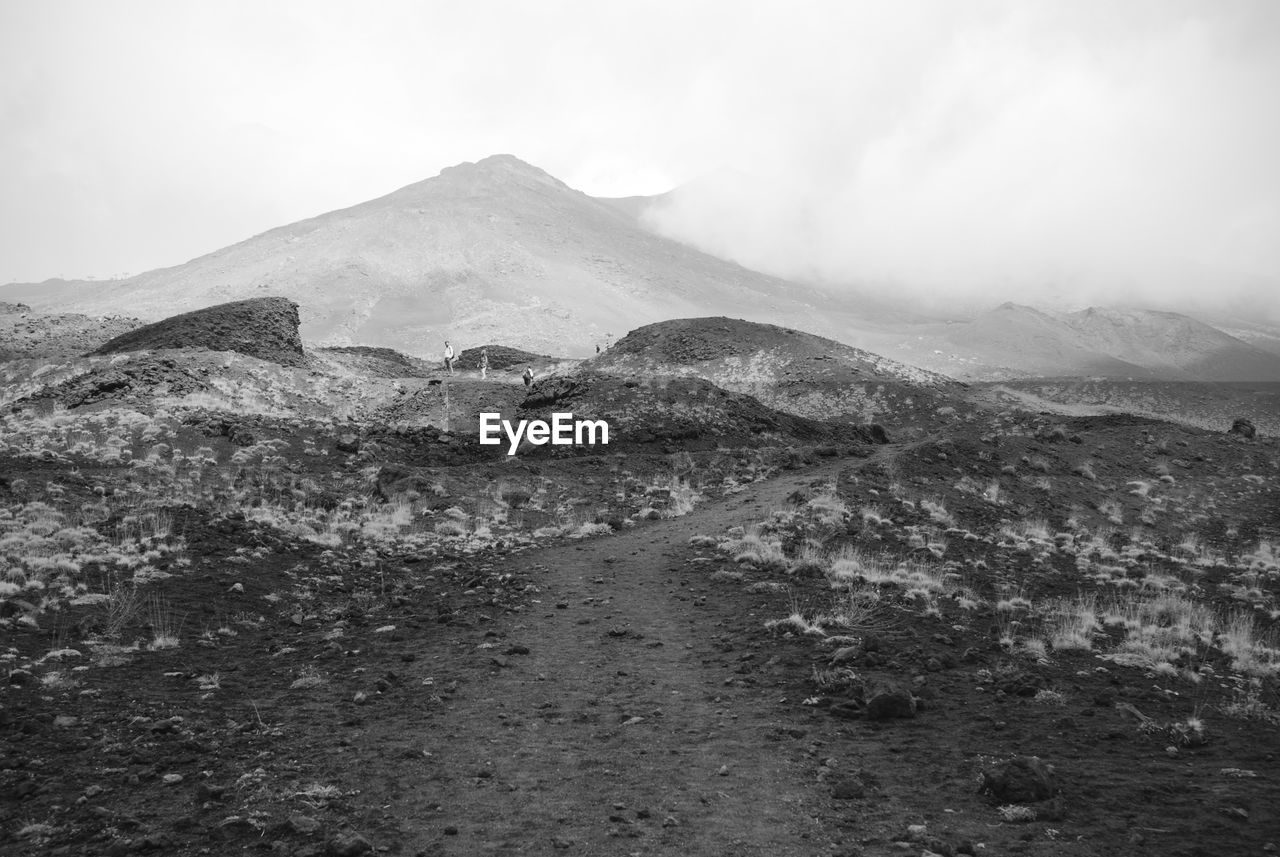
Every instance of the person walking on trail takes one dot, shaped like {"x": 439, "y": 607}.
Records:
{"x": 528, "y": 376}
{"x": 484, "y": 363}
{"x": 448, "y": 356}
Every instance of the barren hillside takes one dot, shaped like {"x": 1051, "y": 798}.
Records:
{"x": 787, "y": 369}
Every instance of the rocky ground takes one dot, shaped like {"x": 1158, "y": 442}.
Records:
{"x": 287, "y": 611}
{"x": 25, "y": 333}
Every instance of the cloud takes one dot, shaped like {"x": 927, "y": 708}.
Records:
{"x": 1040, "y": 153}
{"x": 1074, "y": 151}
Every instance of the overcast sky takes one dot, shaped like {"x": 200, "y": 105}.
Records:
{"x": 1066, "y": 152}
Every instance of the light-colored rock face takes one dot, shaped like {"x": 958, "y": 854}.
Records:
{"x": 496, "y": 251}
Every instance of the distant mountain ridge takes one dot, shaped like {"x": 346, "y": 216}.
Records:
{"x": 499, "y": 251}
{"x": 1016, "y": 341}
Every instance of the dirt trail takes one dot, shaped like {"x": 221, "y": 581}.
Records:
{"x": 626, "y": 728}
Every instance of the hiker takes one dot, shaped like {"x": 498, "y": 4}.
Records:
{"x": 448, "y": 356}
{"x": 597, "y": 348}
{"x": 484, "y": 363}
{"x": 528, "y": 376}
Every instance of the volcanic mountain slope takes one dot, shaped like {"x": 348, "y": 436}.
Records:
{"x": 790, "y": 370}
{"x": 266, "y": 328}
{"x": 495, "y": 251}
{"x": 1258, "y": 332}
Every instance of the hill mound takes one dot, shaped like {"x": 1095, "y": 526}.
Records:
{"x": 786, "y": 369}
{"x": 500, "y": 357}
{"x": 375, "y": 362}
{"x": 690, "y": 414}
{"x": 265, "y": 328}
{"x": 26, "y": 333}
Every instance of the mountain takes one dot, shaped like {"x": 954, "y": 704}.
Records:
{"x": 1258, "y": 333}
{"x": 493, "y": 251}
{"x": 1015, "y": 341}
{"x": 500, "y": 252}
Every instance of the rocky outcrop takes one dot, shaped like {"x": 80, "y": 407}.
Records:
{"x": 265, "y": 328}
{"x": 500, "y": 357}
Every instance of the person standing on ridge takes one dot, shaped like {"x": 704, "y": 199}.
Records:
{"x": 484, "y": 363}
{"x": 448, "y": 356}
{"x": 528, "y": 376}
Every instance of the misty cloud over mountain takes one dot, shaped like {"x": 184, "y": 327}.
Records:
{"x": 1069, "y": 153}
{"x": 1075, "y": 156}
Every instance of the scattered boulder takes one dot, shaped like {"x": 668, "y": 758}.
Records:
{"x": 849, "y": 788}
{"x": 890, "y": 702}
{"x": 1243, "y": 427}
{"x": 1021, "y": 780}
{"x": 349, "y": 844}
{"x": 1018, "y": 682}
{"x": 348, "y": 442}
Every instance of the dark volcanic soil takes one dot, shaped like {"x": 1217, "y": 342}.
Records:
{"x": 608, "y": 696}
{"x": 247, "y": 608}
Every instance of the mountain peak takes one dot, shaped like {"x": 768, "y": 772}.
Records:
{"x": 498, "y": 168}
{"x": 1010, "y": 306}
{"x": 505, "y": 161}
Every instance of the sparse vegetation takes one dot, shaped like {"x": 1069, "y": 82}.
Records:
{"x": 250, "y": 584}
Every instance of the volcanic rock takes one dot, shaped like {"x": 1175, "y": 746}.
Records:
{"x": 1244, "y": 428}
{"x": 1024, "y": 779}
{"x": 890, "y": 702}
{"x": 265, "y": 328}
